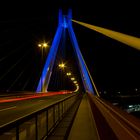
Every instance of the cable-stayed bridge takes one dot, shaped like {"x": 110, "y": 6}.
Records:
{"x": 67, "y": 114}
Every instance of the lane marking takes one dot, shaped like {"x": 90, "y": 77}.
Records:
{"x": 8, "y": 108}
{"x": 40, "y": 100}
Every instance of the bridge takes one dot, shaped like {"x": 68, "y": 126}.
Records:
{"x": 80, "y": 113}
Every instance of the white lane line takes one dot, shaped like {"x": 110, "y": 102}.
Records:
{"x": 40, "y": 100}
{"x": 8, "y": 108}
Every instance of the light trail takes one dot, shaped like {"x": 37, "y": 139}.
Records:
{"x": 26, "y": 97}
{"x": 123, "y": 38}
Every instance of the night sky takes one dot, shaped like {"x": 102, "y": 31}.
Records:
{"x": 113, "y": 65}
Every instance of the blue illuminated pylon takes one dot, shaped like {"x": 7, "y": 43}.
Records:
{"x": 83, "y": 69}
{"x": 47, "y": 71}
{"x": 64, "y": 23}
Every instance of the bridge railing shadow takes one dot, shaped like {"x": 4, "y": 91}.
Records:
{"x": 113, "y": 123}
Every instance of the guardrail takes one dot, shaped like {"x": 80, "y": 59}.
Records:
{"x": 119, "y": 124}
{"x": 37, "y": 125}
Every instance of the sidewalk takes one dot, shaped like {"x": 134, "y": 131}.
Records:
{"x": 83, "y": 127}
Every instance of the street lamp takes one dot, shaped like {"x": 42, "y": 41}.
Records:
{"x": 39, "y": 45}
{"x": 68, "y": 74}
{"x": 62, "y": 65}
{"x": 72, "y": 78}
{"x": 42, "y": 46}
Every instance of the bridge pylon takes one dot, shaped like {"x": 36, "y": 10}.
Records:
{"x": 64, "y": 23}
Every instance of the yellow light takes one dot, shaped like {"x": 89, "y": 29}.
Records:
{"x": 72, "y": 78}
{"x": 39, "y": 45}
{"x": 68, "y": 74}
{"x": 77, "y": 88}
{"x": 62, "y": 65}
{"x": 45, "y": 45}
{"x": 123, "y": 38}
{"x": 75, "y": 82}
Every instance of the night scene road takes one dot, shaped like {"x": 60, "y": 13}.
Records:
{"x": 69, "y": 69}
{"x": 17, "y": 109}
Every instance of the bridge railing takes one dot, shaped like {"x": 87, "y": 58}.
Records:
{"x": 112, "y": 122}
{"x": 37, "y": 125}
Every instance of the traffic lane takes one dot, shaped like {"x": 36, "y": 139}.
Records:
{"x": 16, "y": 110}
{"x": 17, "y": 103}
{"x": 23, "y": 108}
{"x": 30, "y": 96}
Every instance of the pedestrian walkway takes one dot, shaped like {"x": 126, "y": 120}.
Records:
{"x": 62, "y": 130}
{"x": 84, "y": 127}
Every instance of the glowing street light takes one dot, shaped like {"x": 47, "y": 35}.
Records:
{"x": 62, "y": 65}
{"x": 72, "y": 78}
{"x": 68, "y": 74}
{"x": 43, "y": 45}
{"x": 75, "y": 82}
{"x": 39, "y": 45}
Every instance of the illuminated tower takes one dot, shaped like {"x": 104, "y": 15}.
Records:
{"x": 64, "y": 24}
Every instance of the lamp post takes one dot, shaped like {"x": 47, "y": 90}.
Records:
{"x": 42, "y": 46}
{"x": 62, "y": 68}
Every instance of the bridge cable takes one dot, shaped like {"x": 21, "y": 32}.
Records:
{"x": 19, "y": 76}
{"x": 16, "y": 80}
{"x": 27, "y": 81}
{"x": 13, "y": 66}
{"x": 10, "y": 53}
{"x": 123, "y": 38}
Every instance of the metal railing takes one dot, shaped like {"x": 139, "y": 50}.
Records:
{"x": 37, "y": 125}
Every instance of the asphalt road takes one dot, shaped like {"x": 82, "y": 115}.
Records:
{"x": 13, "y": 110}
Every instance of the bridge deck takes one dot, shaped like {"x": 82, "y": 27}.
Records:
{"x": 83, "y": 126}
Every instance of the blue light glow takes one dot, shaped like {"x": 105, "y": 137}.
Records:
{"x": 84, "y": 73}
{"x": 47, "y": 71}
{"x": 64, "y": 22}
